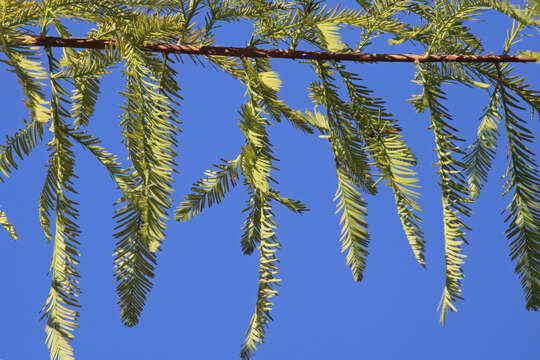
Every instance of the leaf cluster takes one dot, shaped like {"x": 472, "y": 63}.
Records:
{"x": 363, "y": 136}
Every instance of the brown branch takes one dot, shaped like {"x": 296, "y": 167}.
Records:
{"x": 87, "y": 43}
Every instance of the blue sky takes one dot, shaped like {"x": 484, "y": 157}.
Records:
{"x": 204, "y": 290}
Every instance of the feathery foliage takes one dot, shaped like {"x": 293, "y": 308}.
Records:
{"x": 256, "y": 165}
{"x": 8, "y": 226}
{"x": 353, "y": 170}
{"x": 482, "y": 152}
{"x": 354, "y": 235}
{"x": 22, "y": 143}
{"x": 452, "y": 182}
{"x": 210, "y": 190}
{"x": 365, "y": 139}
{"x": 25, "y": 62}
{"x": 60, "y": 309}
{"x": 523, "y": 179}
{"x": 392, "y": 157}
{"x": 149, "y": 132}
{"x": 268, "y": 245}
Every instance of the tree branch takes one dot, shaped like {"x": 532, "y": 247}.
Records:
{"x": 252, "y": 52}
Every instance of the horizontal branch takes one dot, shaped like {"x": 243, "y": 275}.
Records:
{"x": 252, "y": 52}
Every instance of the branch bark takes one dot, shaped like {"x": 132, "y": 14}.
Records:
{"x": 86, "y": 43}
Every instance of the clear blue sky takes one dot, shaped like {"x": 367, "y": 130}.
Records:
{"x": 204, "y": 289}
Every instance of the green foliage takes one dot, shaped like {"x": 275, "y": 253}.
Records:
{"x": 60, "y": 309}
{"x": 482, "y": 151}
{"x": 149, "y": 132}
{"x": 452, "y": 182}
{"x": 210, "y": 190}
{"x": 532, "y": 54}
{"x": 523, "y": 179}
{"x": 528, "y": 16}
{"x": 354, "y": 235}
{"x": 21, "y": 144}
{"x": 86, "y": 68}
{"x": 392, "y": 157}
{"x": 268, "y": 245}
{"x": 24, "y": 61}
{"x": 352, "y": 169}
{"x": 364, "y": 138}
{"x": 8, "y": 226}
{"x": 256, "y": 165}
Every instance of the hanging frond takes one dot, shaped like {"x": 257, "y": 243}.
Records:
{"x": 392, "y": 156}
{"x": 8, "y": 226}
{"x": 149, "y": 130}
{"x": 60, "y": 308}
{"x": 523, "y": 180}
{"x": 48, "y": 195}
{"x": 209, "y": 190}
{"x": 482, "y": 151}
{"x": 256, "y": 162}
{"x": 452, "y": 182}
{"x": 522, "y": 177}
{"x": 352, "y": 167}
{"x": 258, "y": 230}
{"x": 268, "y": 268}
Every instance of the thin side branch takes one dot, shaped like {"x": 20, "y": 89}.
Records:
{"x": 251, "y": 52}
